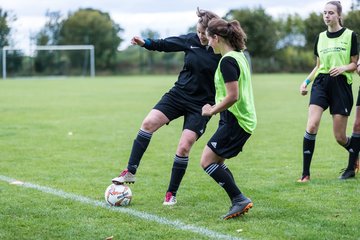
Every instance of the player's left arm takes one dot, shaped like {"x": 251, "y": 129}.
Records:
{"x": 230, "y": 71}
{"x": 232, "y": 95}
{"x": 354, "y": 56}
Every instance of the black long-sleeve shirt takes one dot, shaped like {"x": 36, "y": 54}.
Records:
{"x": 196, "y": 79}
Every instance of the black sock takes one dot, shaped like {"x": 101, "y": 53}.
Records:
{"x": 178, "y": 171}
{"x": 227, "y": 170}
{"x": 353, "y": 151}
{"x": 140, "y": 144}
{"x": 224, "y": 179}
{"x": 308, "y": 150}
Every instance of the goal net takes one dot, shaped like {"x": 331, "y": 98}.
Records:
{"x": 50, "y": 60}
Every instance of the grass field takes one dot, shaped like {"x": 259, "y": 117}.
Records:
{"x": 73, "y": 135}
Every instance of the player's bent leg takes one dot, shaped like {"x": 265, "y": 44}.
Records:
{"x": 211, "y": 163}
{"x": 339, "y": 129}
{"x": 187, "y": 140}
{"x": 208, "y": 157}
{"x": 153, "y": 121}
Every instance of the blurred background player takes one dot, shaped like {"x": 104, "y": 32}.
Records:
{"x": 353, "y": 162}
{"x": 234, "y": 102}
{"x": 337, "y": 54}
{"x": 193, "y": 89}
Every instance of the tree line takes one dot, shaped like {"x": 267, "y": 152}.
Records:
{"x": 281, "y": 44}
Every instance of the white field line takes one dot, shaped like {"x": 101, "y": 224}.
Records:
{"x": 143, "y": 215}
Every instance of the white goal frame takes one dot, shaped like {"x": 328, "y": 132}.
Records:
{"x": 55, "y": 47}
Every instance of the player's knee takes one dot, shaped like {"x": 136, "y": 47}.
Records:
{"x": 184, "y": 148}
{"x": 312, "y": 128}
{"x": 203, "y": 163}
{"x": 149, "y": 125}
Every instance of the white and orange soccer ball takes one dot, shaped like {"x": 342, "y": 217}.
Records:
{"x": 118, "y": 195}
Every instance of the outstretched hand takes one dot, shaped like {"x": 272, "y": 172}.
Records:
{"x": 137, "y": 41}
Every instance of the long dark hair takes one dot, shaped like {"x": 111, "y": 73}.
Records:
{"x": 230, "y": 31}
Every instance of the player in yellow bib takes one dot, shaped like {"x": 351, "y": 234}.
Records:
{"x": 337, "y": 54}
{"x": 235, "y": 103}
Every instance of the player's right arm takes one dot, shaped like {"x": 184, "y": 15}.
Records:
{"x": 310, "y": 77}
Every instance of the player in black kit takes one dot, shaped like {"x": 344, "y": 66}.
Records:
{"x": 193, "y": 89}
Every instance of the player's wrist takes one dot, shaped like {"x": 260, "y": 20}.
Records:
{"x": 147, "y": 42}
{"x": 307, "y": 81}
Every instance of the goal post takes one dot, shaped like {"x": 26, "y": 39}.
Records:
{"x": 53, "y": 48}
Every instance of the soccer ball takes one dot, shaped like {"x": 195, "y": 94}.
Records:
{"x": 118, "y": 195}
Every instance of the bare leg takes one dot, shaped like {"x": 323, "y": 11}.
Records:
{"x": 339, "y": 128}
{"x": 153, "y": 121}
{"x": 314, "y": 117}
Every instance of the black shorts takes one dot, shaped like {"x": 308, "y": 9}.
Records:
{"x": 229, "y": 138}
{"x": 174, "y": 106}
{"x": 358, "y": 98}
{"x": 332, "y": 92}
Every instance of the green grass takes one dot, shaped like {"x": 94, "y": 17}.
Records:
{"x": 104, "y": 115}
